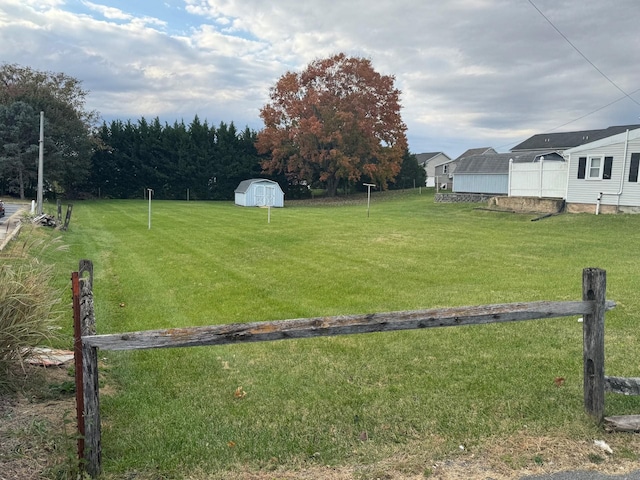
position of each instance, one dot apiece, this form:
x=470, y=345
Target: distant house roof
x=605, y=142
x=476, y=151
x=566, y=140
x=423, y=158
x=498, y=163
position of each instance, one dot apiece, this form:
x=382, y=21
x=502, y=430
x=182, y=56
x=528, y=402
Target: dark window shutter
x=633, y=168
x=582, y=166
x=608, y=163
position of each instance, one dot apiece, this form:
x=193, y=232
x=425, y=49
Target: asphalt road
x=584, y=475
x=9, y=209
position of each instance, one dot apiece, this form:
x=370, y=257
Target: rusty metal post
x=77, y=355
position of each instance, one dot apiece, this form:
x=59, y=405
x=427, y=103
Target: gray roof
x=498, y=163
x=244, y=185
x=423, y=158
x=565, y=140
x=476, y=151
x=487, y=163
x=535, y=156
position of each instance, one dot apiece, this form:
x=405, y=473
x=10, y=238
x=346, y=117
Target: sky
x=473, y=73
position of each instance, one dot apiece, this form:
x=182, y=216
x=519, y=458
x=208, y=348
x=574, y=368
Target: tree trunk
x=332, y=186
x=21, y=183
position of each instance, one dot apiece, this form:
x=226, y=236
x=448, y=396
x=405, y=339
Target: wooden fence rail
x=592, y=308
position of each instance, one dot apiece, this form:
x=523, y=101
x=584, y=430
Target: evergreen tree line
x=175, y=161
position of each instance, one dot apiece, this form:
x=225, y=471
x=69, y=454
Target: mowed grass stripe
x=309, y=401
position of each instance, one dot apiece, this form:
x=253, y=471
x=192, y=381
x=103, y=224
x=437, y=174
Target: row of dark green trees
x=179, y=161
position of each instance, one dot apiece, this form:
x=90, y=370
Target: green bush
x=29, y=304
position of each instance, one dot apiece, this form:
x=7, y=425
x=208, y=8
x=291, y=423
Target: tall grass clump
x=29, y=303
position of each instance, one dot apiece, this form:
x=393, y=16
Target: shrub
x=29, y=303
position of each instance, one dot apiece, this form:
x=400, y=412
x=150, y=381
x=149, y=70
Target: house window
x=594, y=167
x=445, y=169
x=633, y=168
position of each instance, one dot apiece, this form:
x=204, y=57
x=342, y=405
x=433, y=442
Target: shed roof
x=487, y=163
x=244, y=185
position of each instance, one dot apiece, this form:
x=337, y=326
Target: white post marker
x=150, y=193
x=39, y=195
x=369, y=185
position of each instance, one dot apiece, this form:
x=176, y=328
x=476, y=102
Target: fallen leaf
x=239, y=393
x=559, y=381
x=363, y=436
x=231, y=444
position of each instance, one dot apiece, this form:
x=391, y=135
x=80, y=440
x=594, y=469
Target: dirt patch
x=37, y=426
x=505, y=459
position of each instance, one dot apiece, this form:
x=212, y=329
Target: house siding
x=586, y=191
x=481, y=183
x=442, y=178
x=430, y=166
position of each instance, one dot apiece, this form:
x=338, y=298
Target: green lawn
x=309, y=402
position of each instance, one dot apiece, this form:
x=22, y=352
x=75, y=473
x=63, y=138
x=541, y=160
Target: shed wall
x=481, y=183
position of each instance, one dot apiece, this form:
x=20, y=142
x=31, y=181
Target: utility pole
x=40, y=165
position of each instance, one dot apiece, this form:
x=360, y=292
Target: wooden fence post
x=594, y=288
x=86, y=366
x=92, y=430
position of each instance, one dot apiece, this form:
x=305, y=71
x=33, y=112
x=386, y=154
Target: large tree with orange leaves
x=338, y=120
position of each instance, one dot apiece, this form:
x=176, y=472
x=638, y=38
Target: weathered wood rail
x=592, y=308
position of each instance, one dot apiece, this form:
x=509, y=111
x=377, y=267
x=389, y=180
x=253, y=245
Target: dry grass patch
x=37, y=427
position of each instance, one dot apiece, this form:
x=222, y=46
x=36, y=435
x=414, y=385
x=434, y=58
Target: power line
x=576, y=119
x=596, y=110
x=583, y=55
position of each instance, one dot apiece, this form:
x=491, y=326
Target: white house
x=429, y=161
x=603, y=175
x=259, y=192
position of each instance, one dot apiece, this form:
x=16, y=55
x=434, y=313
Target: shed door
x=260, y=195
x=270, y=196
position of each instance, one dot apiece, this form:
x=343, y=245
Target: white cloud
x=472, y=72
x=108, y=12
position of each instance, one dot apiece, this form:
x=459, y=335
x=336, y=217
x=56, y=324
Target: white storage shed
x=259, y=192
